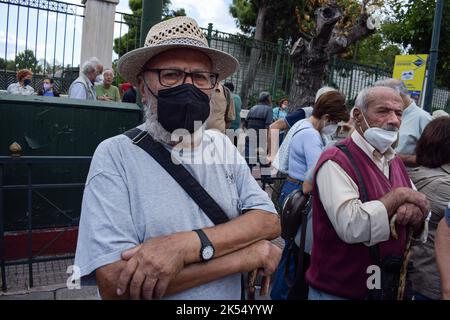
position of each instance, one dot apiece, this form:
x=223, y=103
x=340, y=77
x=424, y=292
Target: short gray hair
x=90, y=65
x=395, y=84
x=362, y=100
x=109, y=70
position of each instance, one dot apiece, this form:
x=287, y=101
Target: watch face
x=207, y=252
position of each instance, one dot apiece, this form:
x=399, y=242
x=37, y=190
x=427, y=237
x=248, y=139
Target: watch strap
x=203, y=237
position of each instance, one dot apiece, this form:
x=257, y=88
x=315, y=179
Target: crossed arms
x=166, y=265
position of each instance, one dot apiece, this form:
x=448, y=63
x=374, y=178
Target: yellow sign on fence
x=411, y=70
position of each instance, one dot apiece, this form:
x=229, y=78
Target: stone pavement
x=49, y=283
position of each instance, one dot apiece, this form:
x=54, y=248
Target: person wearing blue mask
x=23, y=86
x=48, y=88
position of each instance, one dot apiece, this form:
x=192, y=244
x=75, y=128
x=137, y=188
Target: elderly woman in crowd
x=23, y=85
x=433, y=179
x=107, y=91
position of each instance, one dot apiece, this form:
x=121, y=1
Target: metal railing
x=32, y=188
x=45, y=37
x=53, y=49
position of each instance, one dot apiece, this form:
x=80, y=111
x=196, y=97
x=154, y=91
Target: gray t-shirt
x=129, y=198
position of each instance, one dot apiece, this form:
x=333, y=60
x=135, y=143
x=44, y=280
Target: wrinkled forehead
x=384, y=96
x=180, y=58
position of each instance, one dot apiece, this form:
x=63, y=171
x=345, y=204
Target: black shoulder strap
x=374, y=250
x=180, y=174
x=362, y=186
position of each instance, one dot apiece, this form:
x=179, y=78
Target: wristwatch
x=206, y=249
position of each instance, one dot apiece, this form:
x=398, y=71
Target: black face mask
x=180, y=106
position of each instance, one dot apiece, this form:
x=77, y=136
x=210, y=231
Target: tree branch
x=339, y=43
x=326, y=19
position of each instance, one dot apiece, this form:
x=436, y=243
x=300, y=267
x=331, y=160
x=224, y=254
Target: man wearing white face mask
x=414, y=121
x=347, y=219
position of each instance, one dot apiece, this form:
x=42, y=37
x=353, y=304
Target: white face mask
x=329, y=129
x=380, y=139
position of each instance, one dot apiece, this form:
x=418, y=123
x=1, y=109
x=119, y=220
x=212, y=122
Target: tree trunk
x=255, y=55
x=311, y=57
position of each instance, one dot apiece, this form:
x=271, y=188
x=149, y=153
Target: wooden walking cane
x=406, y=257
x=265, y=283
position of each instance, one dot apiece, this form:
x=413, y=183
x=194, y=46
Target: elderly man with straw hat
x=146, y=234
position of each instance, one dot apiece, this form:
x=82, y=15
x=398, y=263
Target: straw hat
x=178, y=32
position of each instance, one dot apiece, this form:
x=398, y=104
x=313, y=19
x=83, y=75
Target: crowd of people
x=94, y=83
x=378, y=175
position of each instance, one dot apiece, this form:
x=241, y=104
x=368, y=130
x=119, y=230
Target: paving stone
x=47, y=295
x=85, y=293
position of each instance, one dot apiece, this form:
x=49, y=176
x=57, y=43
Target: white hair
x=108, y=70
x=90, y=65
x=439, y=113
x=323, y=90
x=395, y=84
x=361, y=101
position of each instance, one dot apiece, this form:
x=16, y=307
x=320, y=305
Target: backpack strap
x=180, y=174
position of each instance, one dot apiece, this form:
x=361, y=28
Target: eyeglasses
x=175, y=77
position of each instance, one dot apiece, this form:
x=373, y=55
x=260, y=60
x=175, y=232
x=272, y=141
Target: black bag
x=294, y=215
x=295, y=208
x=390, y=266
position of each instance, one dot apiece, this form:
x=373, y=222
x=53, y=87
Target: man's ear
x=141, y=88
x=357, y=115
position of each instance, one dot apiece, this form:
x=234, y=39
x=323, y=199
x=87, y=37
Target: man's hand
x=409, y=213
x=104, y=98
x=262, y=255
x=307, y=187
x=152, y=265
x=396, y=198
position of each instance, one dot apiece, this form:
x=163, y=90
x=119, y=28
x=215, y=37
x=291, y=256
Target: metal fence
x=33, y=189
x=45, y=36
x=274, y=67
x=350, y=77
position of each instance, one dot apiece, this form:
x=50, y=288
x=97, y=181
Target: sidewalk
x=49, y=283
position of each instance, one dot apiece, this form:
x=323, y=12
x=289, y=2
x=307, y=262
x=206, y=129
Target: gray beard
x=158, y=133
x=155, y=129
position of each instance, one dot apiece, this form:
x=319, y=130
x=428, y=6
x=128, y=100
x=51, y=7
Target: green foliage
x=26, y=60
x=374, y=50
x=130, y=40
x=290, y=19
x=280, y=19
x=411, y=26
